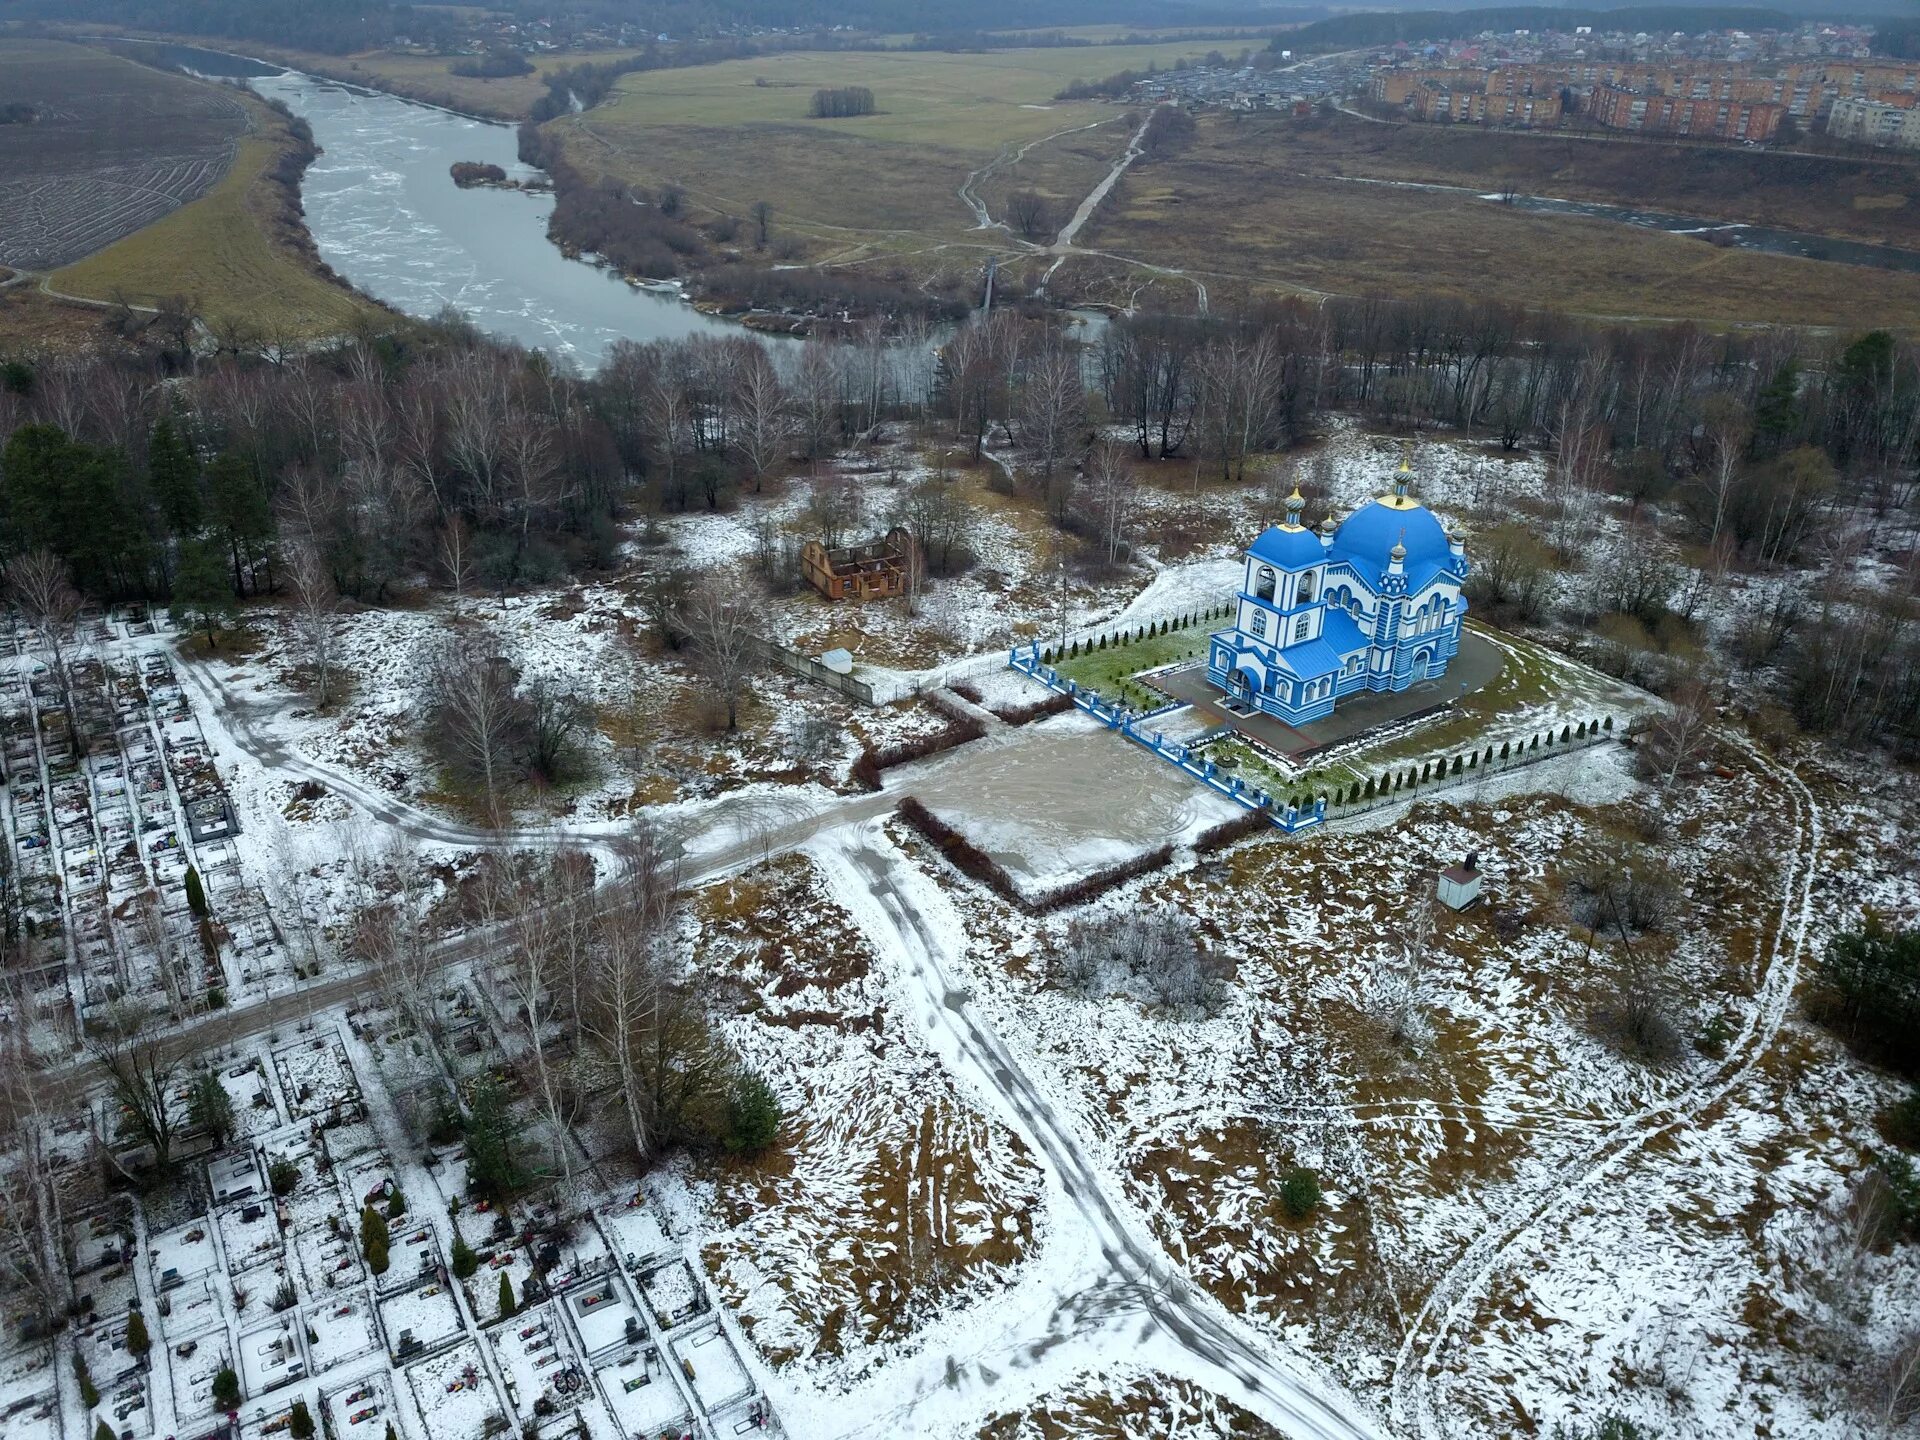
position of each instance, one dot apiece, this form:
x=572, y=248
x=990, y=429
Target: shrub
x=1154, y=957
x=1300, y=1193
x=465, y=1262
x=753, y=1114
x=138, y=1341
x=282, y=1175
x=216, y=998
x=374, y=1239
x=226, y=1389
x=1900, y=1122
x=396, y=1204
x=89, y=1392
x=300, y=1421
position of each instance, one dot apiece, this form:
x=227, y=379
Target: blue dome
x=1367, y=536
x=1288, y=549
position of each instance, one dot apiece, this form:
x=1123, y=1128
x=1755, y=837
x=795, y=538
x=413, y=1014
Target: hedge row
x=866, y=770
x=1415, y=776
x=1100, y=881
x=1055, y=654
x=973, y=862
x=1247, y=822
x=1054, y=704
x=966, y=857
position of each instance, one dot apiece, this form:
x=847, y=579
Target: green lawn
x=1536, y=690
x=1107, y=672
x=971, y=102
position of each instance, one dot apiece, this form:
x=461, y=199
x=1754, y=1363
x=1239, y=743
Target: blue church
x=1372, y=604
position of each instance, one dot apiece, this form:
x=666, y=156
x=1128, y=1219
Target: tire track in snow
x=1127, y=1276
x=1449, y=1303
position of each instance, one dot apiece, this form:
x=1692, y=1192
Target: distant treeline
x=336, y=27
x=651, y=235
x=1346, y=32
x=1898, y=38
x=494, y=65
x=841, y=101
x=1114, y=86
x=590, y=82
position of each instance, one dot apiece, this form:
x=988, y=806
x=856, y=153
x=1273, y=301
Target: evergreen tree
x=73, y=499
x=138, y=1341
x=103, y=1431
x=210, y=1107
x=201, y=588
x=196, y=894
x=753, y=1115
x=226, y=1389
x=300, y=1421
x=1776, y=412
x=241, y=512
x=506, y=1296
x=493, y=1169
x=1300, y=1193
x=173, y=473
x=375, y=1241
x=465, y=1262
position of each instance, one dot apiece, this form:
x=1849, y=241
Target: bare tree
x=456, y=553
x=1112, y=495
x=142, y=1076
x=528, y=899
x=477, y=714
x=816, y=396
x=36, y=1188
x=1728, y=428
x=314, y=604
x=764, y=421
x=1053, y=404
x=1029, y=214
x=835, y=506
x=726, y=645
x=1680, y=736
x=648, y=1032
x=390, y=933
x=39, y=584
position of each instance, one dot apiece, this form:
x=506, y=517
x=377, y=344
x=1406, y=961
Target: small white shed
x=1460, y=884
x=840, y=662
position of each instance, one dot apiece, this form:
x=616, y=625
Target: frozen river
x=385, y=213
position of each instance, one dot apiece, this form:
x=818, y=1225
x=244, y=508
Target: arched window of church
x=1305, y=595
x=1260, y=623
x=1263, y=583
x=1300, y=628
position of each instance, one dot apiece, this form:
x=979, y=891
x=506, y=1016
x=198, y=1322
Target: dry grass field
x=1237, y=210
x=1876, y=200
x=738, y=132
x=113, y=147
x=234, y=253
x=427, y=77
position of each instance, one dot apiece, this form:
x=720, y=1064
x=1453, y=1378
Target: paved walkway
x=1478, y=663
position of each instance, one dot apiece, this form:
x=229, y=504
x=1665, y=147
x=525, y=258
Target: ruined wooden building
x=871, y=571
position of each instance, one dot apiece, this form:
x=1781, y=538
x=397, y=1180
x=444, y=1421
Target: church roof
x=1288, y=548
x=1366, y=539
x=1340, y=631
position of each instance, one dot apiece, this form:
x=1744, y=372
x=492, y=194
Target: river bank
x=241, y=255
